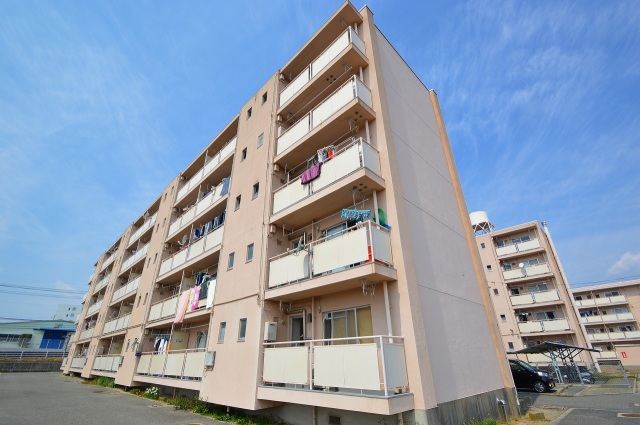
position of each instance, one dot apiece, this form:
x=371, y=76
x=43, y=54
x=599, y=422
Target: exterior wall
x=29, y=335
x=67, y=312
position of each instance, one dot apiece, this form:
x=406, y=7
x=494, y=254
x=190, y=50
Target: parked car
x=527, y=377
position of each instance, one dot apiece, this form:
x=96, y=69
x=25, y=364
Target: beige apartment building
x=530, y=293
x=610, y=313
x=314, y=261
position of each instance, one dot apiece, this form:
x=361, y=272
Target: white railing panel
x=188, y=216
x=175, y=226
x=357, y=41
x=165, y=266
x=330, y=54
x=203, y=204
x=344, y=250
x=593, y=319
x=618, y=299
x=295, y=86
x=632, y=334
x=371, y=158
x=179, y=258
x=174, y=364
x=512, y=274
x=586, y=303
x=598, y=337
x=289, y=268
x=194, y=365
x=196, y=248
x=347, y=366
x=127, y=289
x=529, y=245
x=522, y=299
x=381, y=245
x=183, y=190
x=214, y=238
x=537, y=269
x=289, y=195
x=556, y=325
x=228, y=148
x=395, y=366
x=504, y=250
x=86, y=334
x=98, y=364
x=546, y=296
x=363, y=93
x=286, y=365
x=332, y=104
x=155, y=311
x=144, y=363
x=78, y=362
x=293, y=134
x=157, y=364
x=537, y=358
x=530, y=326
x=616, y=335
x=169, y=307
x=341, y=165
x=109, y=326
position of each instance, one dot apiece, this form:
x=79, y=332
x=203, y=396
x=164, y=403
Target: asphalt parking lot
x=54, y=399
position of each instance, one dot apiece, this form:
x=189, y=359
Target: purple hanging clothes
x=311, y=173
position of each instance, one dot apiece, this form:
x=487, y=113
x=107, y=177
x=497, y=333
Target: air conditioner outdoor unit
x=276, y=168
x=270, y=331
x=272, y=229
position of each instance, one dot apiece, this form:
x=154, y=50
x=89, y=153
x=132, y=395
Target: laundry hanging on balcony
x=355, y=214
x=325, y=154
x=312, y=173
x=182, y=307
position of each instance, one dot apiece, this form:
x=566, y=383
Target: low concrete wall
x=6, y=367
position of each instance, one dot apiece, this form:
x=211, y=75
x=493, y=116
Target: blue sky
x=103, y=103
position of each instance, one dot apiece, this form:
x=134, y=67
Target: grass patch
x=488, y=421
x=216, y=412
x=103, y=381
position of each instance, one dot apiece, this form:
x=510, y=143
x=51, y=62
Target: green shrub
x=487, y=421
x=152, y=393
x=103, y=381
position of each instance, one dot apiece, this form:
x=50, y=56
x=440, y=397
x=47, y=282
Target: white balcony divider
x=518, y=247
x=135, y=257
x=202, y=245
x=117, y=324
x=103, y=282
x=350, y=90
x=208, y=167
x=163, y=309
x=526, y=271
x=365, y=363
x=145, y=226
x=363, y=243
x=126, y=290
x=94, y=308
x=108, y=363
x=178, y=364
x=108, y=261
x=348, y=158
x=86, y=334
x=212, y=197
x=78, y=362
x=544, y=326
x=318, y=64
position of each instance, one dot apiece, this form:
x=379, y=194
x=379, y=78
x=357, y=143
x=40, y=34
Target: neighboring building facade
x=36, y=335
x=314, y=262
x=68, y=312
x=610, y=313
x=530, y=294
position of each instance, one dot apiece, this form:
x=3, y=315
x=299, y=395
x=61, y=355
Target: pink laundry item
x=182, y=307
x=195, y=298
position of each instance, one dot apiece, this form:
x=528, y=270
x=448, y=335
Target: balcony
x=618, y=299
x=142, y=229
x=354, y=158
x=330, y=372
x=605, y=355
x=167, y=308
x=211, y=164
x=606, y=336
x=544, y=326
x=135, y=258
x=78, y=362
x=343, y=100
x=198, y=209
x=116, y=325
x=94, y=308
x=608, y=318
x=192, y=252
x=125, y=290
x=109, y=260
x=183, y=366
x=529, y=271
x=103, y=282
x=533, y=298
x=521, y=247
x=347, y=48
x=86, y=334
x=335, y=263
x=107, y=363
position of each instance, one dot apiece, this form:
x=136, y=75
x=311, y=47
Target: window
x=578, y=298
x=164, y=222
x=165, y=197
x=489, y=268
x=264, y=97
x=521, y=239
x=155, y=257
x=231, y=258
x=244, y=155
x=546, y=315
x=540, y=287
x=611, y=294
x=256, y=190
x=507, y=266
x=238, y=200
x=145, y=298
x=500, y=244
x=353, y=322
x=510, y=345
x=242, y=330
x=482, y=245
x=249, y=253
x=260, y=139
x=515, y=291
x=157, y=227
x=495, y=291
x=223, y=330
x=148, y=261
x=249, y=113
x=139, y=298
x=503, y=317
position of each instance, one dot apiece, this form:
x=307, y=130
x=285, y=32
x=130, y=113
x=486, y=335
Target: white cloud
x=628, y=263
x=58, y=284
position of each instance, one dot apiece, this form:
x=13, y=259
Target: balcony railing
x=108, y=261
x=107, y=363
x=352, y=89
x=375, y=363
x=526, y=271
x=518, y=247
x=544, y=326
x=140, y=253
x=117, y=324
x=602, y=301
x=607, y=318
x=178, y=364
x=78, y=362
x=535, y=297
x=94, y=308
x=605, y=355
x=605, y=336
x=145, y=226
x=86, y=334
x=168, y=307
x=363, y=243
x=324, y=59
x=209, y=166
x=355, y=155
x=126, y=290
x=103, y=282
x=197, y=248
x=211, y=198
